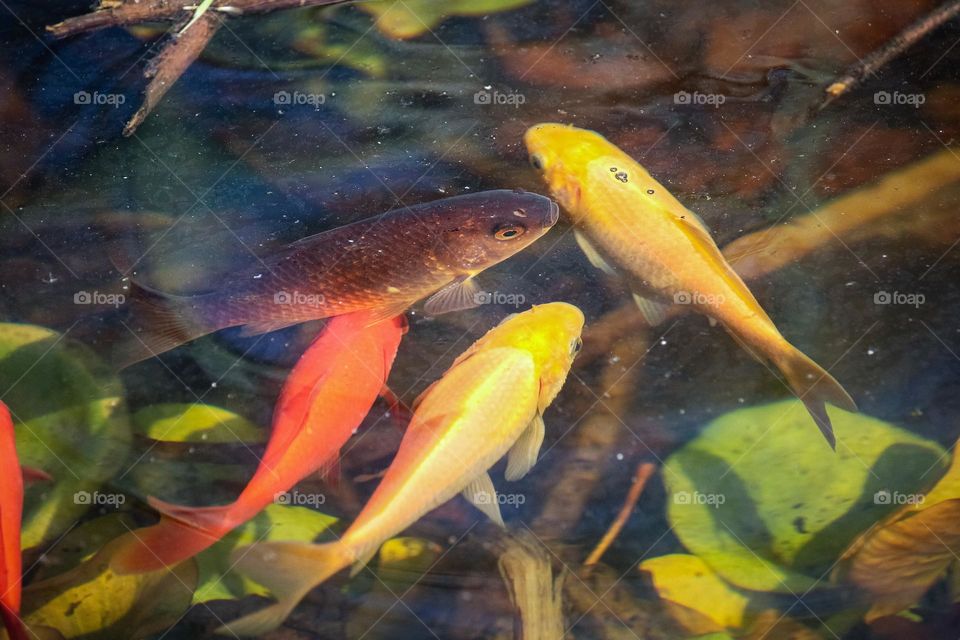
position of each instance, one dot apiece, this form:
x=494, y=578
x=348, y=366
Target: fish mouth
x=553, y=216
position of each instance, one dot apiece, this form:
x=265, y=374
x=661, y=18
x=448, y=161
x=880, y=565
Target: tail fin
x=159, y=323
x=181, y=533
x=815, y=387
x=290, y=570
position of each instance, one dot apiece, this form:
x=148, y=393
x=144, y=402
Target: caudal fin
x=158, y=323
x=181, y=533
x=815, y=387
x=290, y=570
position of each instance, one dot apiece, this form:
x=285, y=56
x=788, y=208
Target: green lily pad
x=763, y=501
x=276, y=522
x=195, y=423
x=70, y=422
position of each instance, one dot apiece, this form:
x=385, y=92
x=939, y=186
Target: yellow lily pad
x=195, y=423
x=402, y=19
x=687, y=581
x=93, y=603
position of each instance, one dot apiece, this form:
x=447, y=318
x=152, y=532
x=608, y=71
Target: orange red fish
x=11, y=510
x=323, y=401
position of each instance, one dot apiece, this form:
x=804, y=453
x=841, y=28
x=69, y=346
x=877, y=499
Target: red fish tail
x=12, y=623
x=181, y=533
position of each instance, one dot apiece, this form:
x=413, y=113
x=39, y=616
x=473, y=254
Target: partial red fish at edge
x=11, y=510
x=323, y=401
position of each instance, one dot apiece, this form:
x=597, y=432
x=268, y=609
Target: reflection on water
x=299, y=121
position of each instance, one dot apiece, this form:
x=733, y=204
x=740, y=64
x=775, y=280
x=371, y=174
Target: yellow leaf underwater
x=706, y=602
x=412, y=18
x=195, y=423
x=92, y=602
x=900, y=559
x=898, y=562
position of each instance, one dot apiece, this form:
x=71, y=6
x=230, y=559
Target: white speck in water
x=213, y=385
x=871, y=351
x=258, y=276
x=741, y=400
x=683, y=412
x=662, y=341
x=614, y=359
x=619, y=456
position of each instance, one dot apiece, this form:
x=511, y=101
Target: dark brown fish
x=382, y=264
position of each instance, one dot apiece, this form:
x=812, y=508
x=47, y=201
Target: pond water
x=303, y=120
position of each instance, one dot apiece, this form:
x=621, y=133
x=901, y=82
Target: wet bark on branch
x=187, y=38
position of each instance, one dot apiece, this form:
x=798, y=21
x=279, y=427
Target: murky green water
x=304, y=120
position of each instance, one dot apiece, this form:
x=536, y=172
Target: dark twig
x=858, y=72
x=188, y=39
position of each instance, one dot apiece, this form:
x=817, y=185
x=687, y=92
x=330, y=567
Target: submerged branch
x=857, y=73
x=644, y=471
x=527, y=570
x=193, y=28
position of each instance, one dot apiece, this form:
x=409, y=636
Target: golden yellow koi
x=626, y=222
x=487, y=405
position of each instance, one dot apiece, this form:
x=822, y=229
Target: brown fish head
x=473, y=232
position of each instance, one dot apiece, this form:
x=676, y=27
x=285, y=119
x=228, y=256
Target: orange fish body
x=487, y=405
x=11, y=509
x=323, y=401
x=629, y=224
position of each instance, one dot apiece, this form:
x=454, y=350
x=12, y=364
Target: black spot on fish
x=799, y=523
x=621, y=176
x=613, y=169
x=650, y=191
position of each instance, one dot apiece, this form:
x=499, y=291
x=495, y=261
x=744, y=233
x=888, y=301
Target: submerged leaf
x=92, y=602
x=195, y=423
x=766, y=505
x=277, y=522
x=71, y=424
x=705, y=603
x=896, y=563
x=413, y=18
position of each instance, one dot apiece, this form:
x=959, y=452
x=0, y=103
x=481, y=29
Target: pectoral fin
x=523, y=454
x=593, y=255
x=483, y=496
x=652, y=311
x=456, y=296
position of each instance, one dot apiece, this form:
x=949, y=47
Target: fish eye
x=536, y=161
x=575, y=346
x=508, y=231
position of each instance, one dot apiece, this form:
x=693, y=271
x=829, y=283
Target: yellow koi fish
x=487, y=405
x=628, y=223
